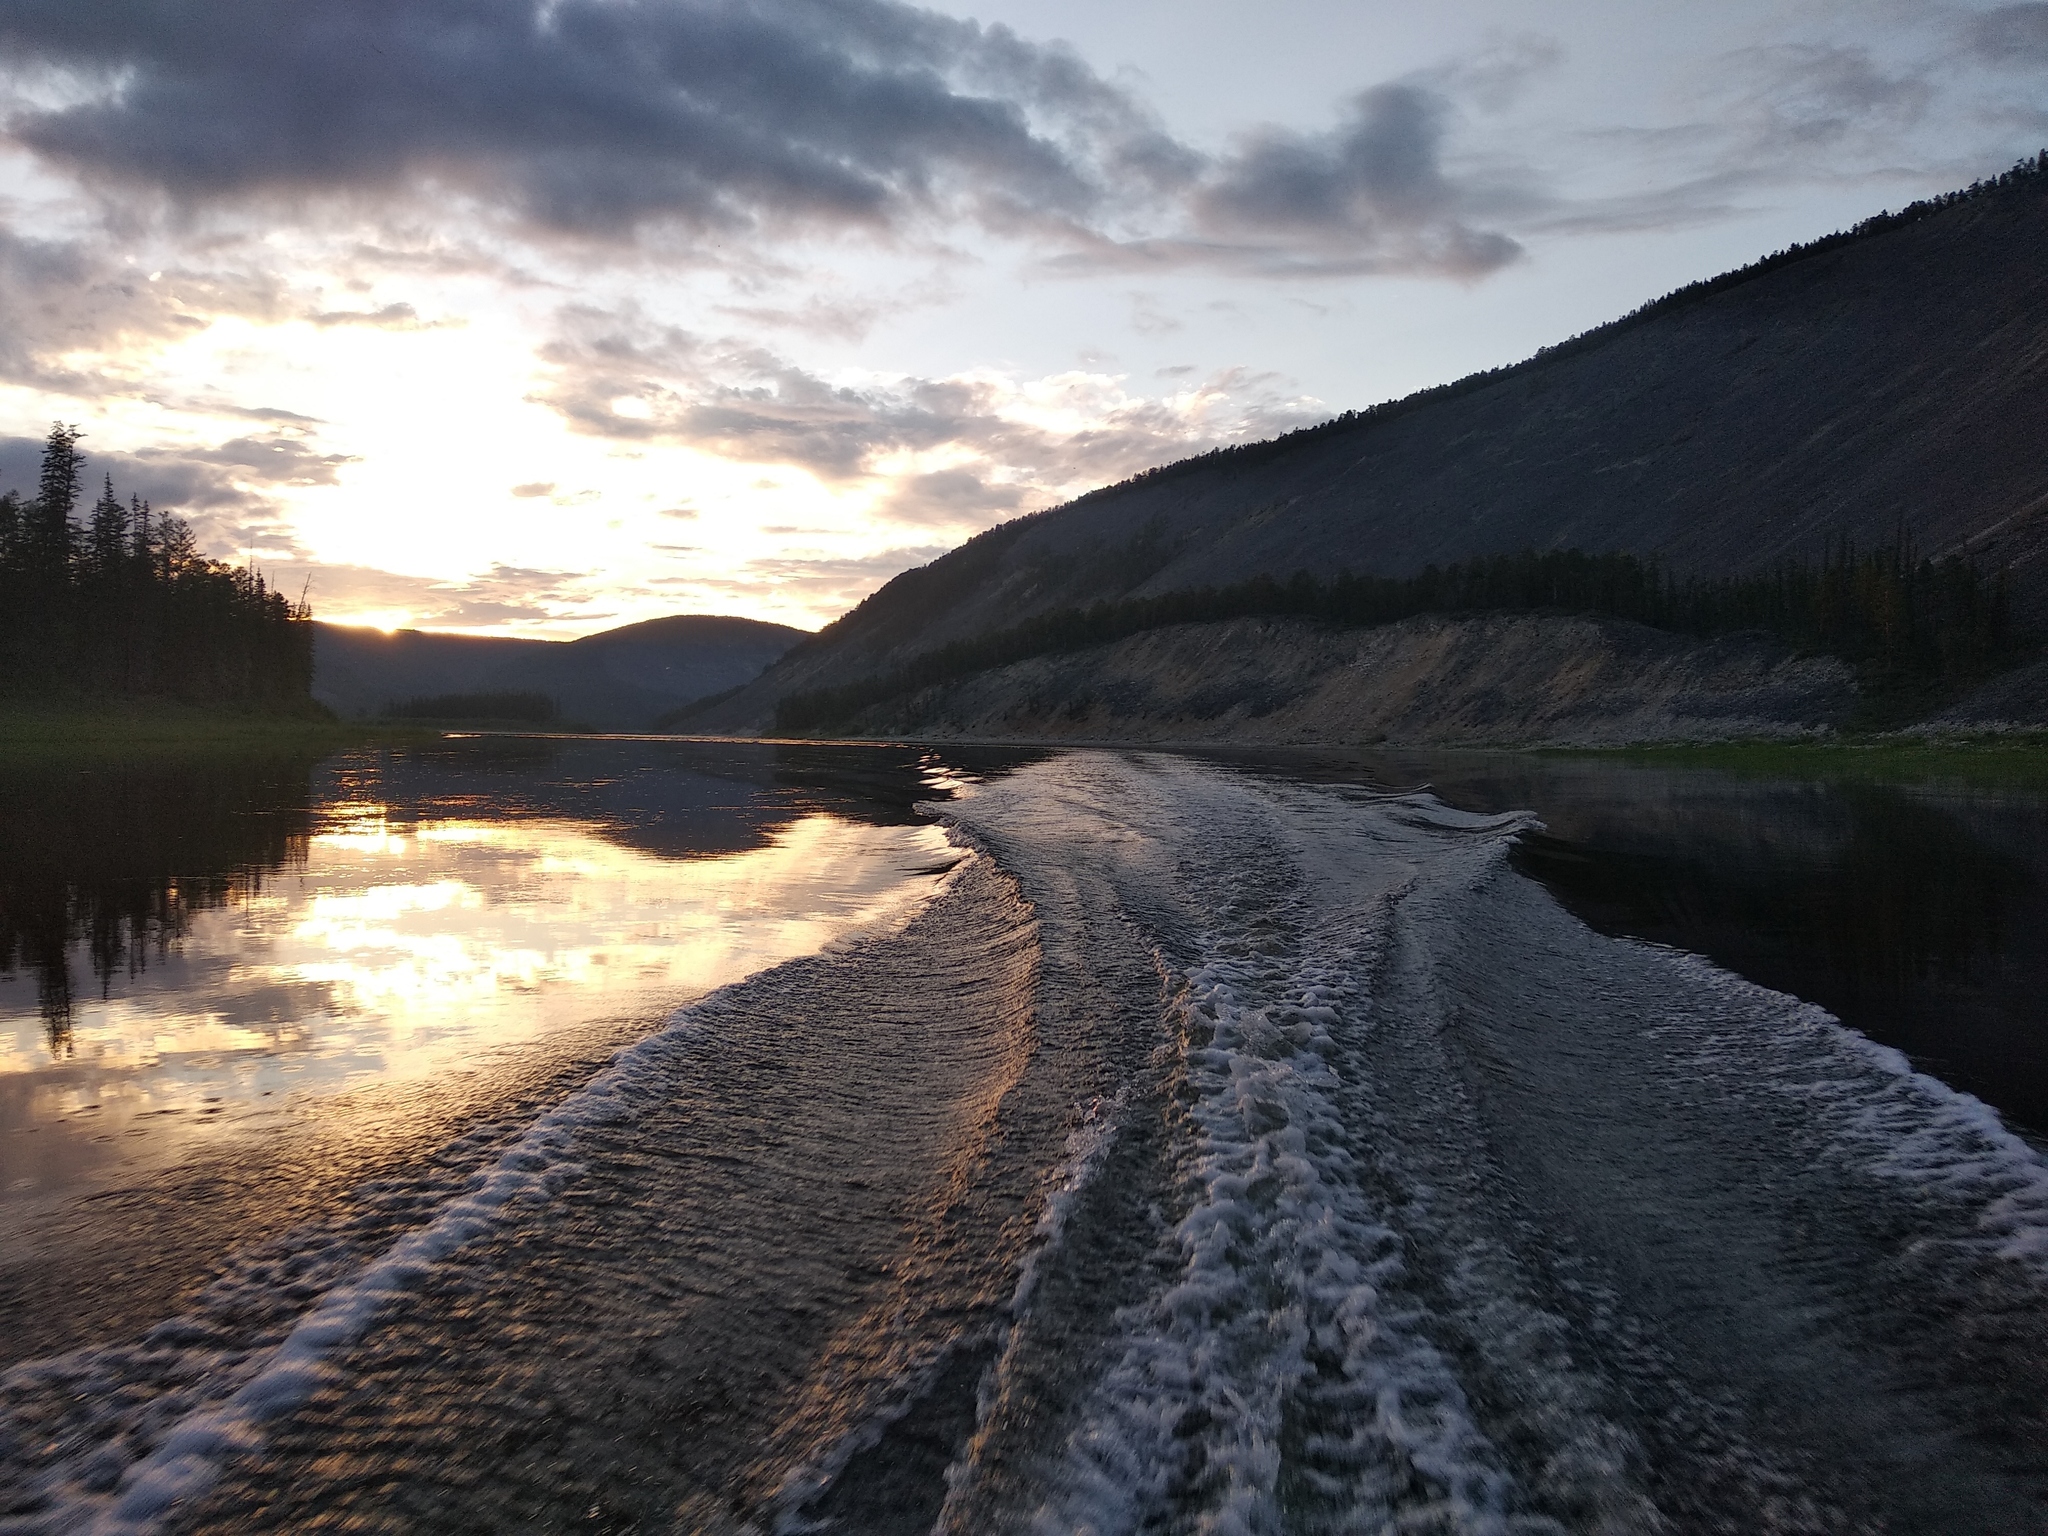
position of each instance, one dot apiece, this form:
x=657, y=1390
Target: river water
x=635, y=1136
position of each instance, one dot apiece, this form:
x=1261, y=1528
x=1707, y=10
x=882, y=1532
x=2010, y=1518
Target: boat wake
x=1208, y=1155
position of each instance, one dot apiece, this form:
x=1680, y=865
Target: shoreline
x=112, y=727
x=2012, y=758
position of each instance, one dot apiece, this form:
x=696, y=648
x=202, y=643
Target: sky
x=536, y=317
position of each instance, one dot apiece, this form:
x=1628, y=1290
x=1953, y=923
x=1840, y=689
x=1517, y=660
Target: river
x=636, y=1136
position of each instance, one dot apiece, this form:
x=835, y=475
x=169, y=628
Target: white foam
x=1279, y=1298
x=1884, y=1114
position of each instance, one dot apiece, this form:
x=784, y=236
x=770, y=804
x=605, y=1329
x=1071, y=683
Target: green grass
x=2016, y=761
x=157, y=728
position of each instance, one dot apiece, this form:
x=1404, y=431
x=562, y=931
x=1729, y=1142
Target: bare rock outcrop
x=1493, y=680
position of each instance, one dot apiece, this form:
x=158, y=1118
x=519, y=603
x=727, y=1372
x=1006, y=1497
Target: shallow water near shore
x=661, y=1136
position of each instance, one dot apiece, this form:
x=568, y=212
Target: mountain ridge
x=1890, y=379
x=617, y=679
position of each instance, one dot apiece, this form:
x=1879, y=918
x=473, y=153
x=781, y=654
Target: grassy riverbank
x=2017, y=761
x=161, y=728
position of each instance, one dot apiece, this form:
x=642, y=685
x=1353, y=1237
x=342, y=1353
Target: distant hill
x=622, y=679
x=1891, y=378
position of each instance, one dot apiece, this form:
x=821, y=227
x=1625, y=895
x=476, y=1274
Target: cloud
x=392, y=317
x=2010, y=35
x=734, y=121
x=67, y=305
x=1370, y=196
x=941, y=451
x=949, y=498
x=1495, y=77
x=224, y=491
x=590, y=116
x=1809, y=95
x=616, y=374
x=499, y=597
x=277, y=460
x=825, y=585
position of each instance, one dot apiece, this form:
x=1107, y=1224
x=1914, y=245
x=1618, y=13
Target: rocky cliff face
x=1520, y=680
x=1894, y=381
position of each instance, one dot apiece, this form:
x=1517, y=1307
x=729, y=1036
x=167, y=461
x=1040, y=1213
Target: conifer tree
x=128, y=605
x=107, y=535
x=51, y=535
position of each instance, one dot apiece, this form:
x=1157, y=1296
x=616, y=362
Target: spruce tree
x=51, y=536
x=107, y=537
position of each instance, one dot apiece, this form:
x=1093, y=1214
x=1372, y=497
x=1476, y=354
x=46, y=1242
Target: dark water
x=522, y=1134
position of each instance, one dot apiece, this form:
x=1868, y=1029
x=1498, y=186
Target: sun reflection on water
x=400, y=949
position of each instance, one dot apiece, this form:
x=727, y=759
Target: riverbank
x=158, y=727
x=2016, y=760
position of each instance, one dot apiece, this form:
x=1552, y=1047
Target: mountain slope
x=621, y=679
x=1893, y=378
x=1526, y=679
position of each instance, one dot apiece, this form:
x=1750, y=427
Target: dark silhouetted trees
x=123, y=604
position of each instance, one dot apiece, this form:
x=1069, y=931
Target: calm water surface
x=203, y=950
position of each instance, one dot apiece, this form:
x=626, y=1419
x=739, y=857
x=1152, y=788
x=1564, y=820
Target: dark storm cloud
x=728, y=117
x=588, y=115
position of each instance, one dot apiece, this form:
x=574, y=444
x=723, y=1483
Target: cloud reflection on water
x=401, y=949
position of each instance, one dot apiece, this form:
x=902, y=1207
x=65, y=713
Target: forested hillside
x=620, y=679
x=1888, y=382
x=119, y=603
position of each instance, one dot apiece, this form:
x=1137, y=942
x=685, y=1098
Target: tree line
x=119, y=602
x=1911, y=626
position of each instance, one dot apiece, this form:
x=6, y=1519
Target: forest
x=1914, y=628
x=115, y=601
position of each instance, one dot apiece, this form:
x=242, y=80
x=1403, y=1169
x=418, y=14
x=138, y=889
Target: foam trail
x=185, y=1463
x=1469, y=1219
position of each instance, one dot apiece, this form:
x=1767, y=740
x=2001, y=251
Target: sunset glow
x=475, y=381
